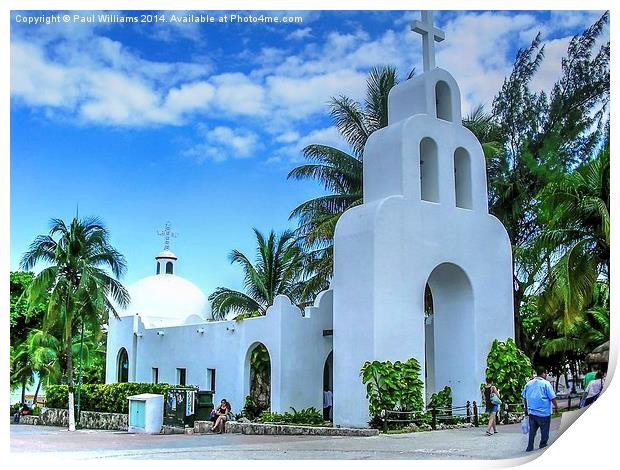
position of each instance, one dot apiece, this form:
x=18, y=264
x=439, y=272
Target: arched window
x=443, y=101
x=158, y=267
x=258, y=375
x=169, y=267
x=429, y=171
x=122, y=366
x=462, y=179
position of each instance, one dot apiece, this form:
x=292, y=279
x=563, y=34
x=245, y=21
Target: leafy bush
x=251, y=408
x=243, y=316
x=509, y=368
x=106, y=398
x=392, y=386
x=307, y=416
x=442, y=399
x=15, y=408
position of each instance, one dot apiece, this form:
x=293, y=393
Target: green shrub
x=308, y=416
x=251, y=408
x=391, y=386
x=509, y=368
x=442, y=399
x=106, y=398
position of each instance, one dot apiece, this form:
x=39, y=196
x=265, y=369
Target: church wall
x=296, y=347
x=120, y=335
x=304, y=352
x=353, y=326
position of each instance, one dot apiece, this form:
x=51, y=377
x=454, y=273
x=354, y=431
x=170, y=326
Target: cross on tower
x=430, y=34
x=167, y=233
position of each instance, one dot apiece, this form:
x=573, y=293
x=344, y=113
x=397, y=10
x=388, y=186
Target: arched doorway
x=122, y=366
x=429, y=347
x=449, y=333
x=328, y=386
x=258, y=375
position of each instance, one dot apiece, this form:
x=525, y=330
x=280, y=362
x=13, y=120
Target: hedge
x=106, y=398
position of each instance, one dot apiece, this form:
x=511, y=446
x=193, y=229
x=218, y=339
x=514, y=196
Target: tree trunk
x=518, y=297
x=70, y=384
x=36, y=393
x=573, y=372
x=23, y=391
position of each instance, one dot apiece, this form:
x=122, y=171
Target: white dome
x=167, y=299
x=166, y=254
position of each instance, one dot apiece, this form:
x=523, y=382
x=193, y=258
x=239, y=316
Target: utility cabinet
x=146, y=413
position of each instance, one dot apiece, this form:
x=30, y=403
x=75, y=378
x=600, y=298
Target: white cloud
x=237, y=94
x=550, y=69
x=562, y=20
x=303, y=96
x=190, y=97
x=38, y=82
x=300, y=34
x=323, y=136
x=222, y=143
x=288, y=137
x=116, y=99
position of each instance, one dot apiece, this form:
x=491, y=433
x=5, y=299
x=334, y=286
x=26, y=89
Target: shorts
x=492, y=409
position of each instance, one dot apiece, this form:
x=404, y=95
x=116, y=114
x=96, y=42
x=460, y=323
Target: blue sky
x=200, y=124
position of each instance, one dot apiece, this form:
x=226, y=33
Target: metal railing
x=468, y=412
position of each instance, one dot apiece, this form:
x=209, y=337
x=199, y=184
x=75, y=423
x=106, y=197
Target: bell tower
x=424, y=221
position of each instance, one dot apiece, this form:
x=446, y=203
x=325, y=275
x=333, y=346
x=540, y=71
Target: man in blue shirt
x=538, y=395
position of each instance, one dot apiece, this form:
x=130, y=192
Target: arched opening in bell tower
x=429, y=170
x=449, y=333
x=443, y=101
x=462, y=178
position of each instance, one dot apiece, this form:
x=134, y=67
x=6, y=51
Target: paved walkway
x=468, y=443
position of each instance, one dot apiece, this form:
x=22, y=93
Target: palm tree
x=45, y=351
x=277, y=270
x=574, y=211
x=78, y=257
x=586, y=333
x=340, y=174
x=486, y=130
x=22, y=369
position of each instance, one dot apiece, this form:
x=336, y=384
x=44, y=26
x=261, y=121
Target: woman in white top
x=594, y=389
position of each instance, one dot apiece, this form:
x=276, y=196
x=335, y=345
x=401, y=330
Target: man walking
x=538, y=395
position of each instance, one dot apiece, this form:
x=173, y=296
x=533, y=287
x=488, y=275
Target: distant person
x=491, y=408
x=594, y=389
x=23, y=410
x=538, y=396
x=328, y=402
x=222, y=414
x=589, y=377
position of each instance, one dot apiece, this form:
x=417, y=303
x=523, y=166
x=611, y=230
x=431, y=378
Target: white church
x=424, y=221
